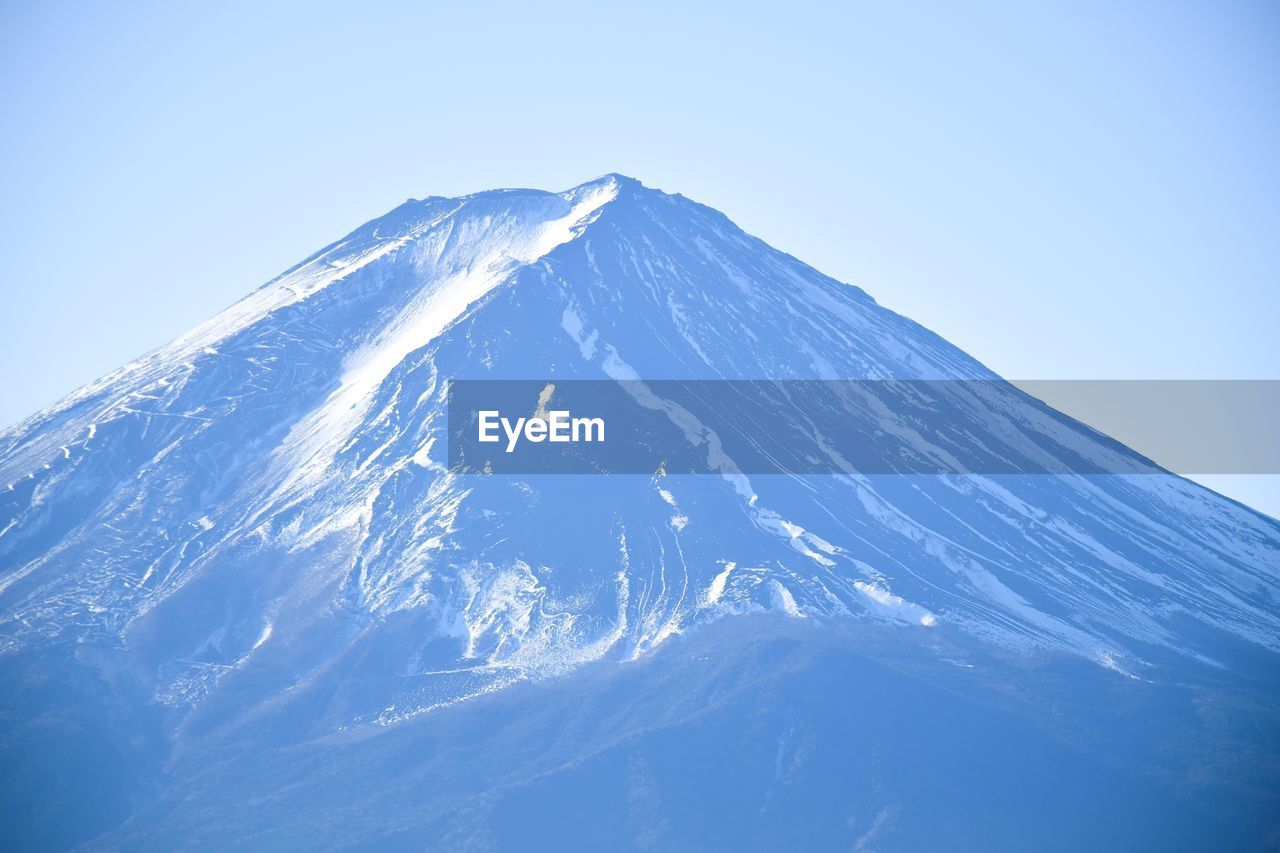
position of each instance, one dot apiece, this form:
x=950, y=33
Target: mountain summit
x=244, y=592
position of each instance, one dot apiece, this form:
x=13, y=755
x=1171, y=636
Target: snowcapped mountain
x=241, y=567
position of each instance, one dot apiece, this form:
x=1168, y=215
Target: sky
x=1064, y=190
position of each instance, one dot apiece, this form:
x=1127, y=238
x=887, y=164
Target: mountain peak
x=612, y=178
x=254, y=529
x=327, y=383
x=603, y=189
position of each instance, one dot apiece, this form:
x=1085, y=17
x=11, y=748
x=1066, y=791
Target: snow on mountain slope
x=245, y=551
x=267, y=491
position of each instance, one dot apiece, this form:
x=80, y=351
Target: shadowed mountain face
x=244, y=601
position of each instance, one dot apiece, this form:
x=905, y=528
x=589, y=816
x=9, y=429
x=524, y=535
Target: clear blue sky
x=1064, y=189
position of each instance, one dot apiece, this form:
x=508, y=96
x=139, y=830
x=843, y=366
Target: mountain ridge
x=250, y=536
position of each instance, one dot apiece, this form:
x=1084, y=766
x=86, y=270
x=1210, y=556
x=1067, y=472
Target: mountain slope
x=249, y=537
